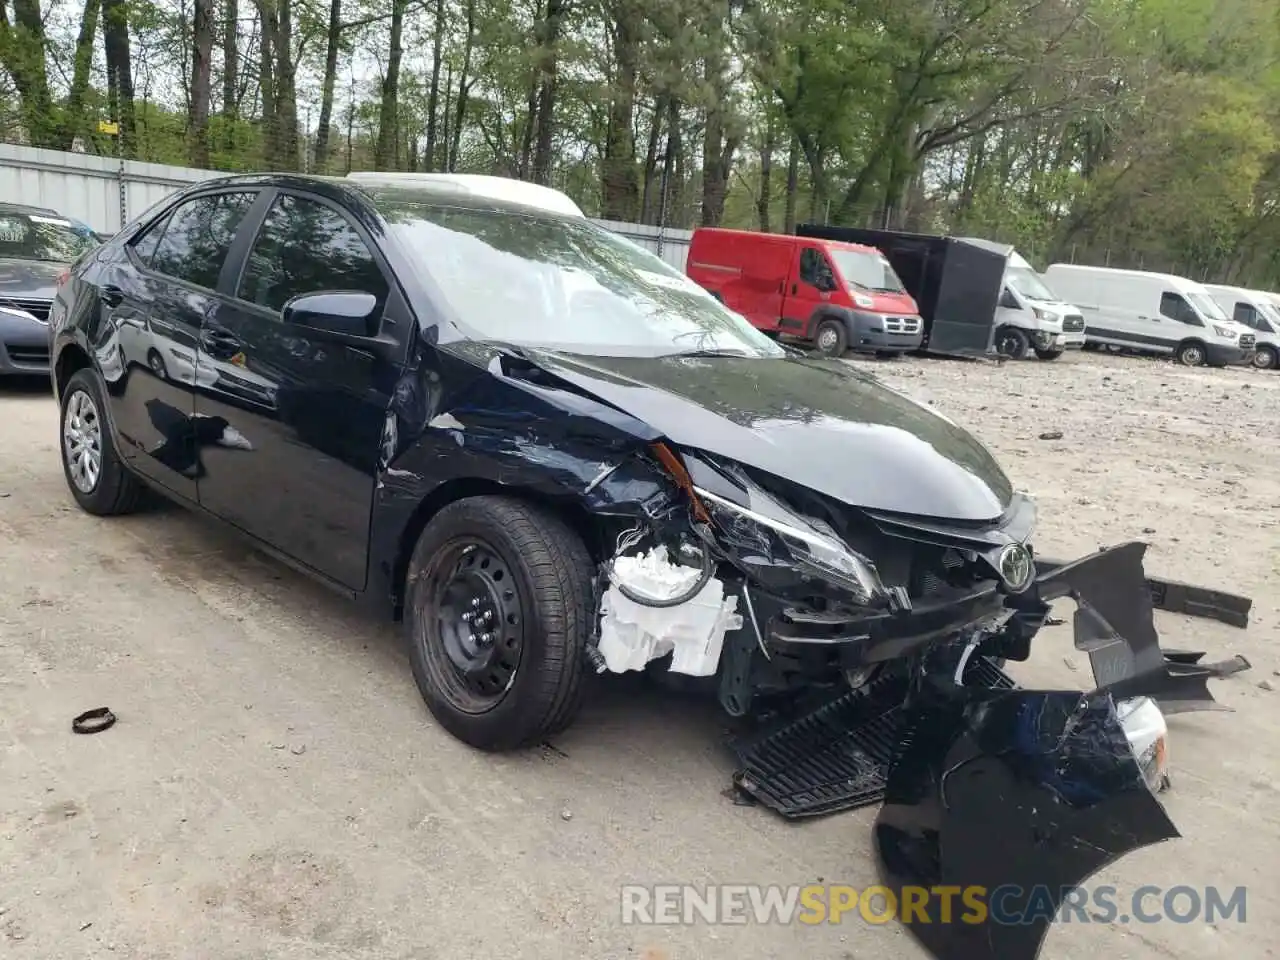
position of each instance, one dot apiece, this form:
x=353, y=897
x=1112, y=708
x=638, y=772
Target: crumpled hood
x=29, y=279
x=817, y=423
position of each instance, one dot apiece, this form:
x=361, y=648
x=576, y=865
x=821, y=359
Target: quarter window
x=305, y=246
x=194, y=243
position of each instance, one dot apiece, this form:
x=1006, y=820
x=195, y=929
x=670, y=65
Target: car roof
x=1177, y=281
x=791, y=239
x=464, y=190
x=28, y=209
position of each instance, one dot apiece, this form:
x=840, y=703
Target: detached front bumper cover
x=1023, y=793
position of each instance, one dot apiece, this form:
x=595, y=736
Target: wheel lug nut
x=487, y=638
x=468, y=617
x=475, y=602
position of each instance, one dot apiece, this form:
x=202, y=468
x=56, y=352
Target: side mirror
x=345, y=312
x=1008, y=300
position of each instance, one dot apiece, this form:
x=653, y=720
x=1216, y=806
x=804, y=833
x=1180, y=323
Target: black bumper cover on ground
x=990, y=786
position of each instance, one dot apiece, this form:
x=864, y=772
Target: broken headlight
x=785, y=538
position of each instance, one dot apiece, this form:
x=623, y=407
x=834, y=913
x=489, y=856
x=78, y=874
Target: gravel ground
x=275, y=788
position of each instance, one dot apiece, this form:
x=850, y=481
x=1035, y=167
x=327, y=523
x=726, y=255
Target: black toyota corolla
x=552, y=455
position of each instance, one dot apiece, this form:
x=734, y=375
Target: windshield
x=870, y=271
x=1270, y=310
x=564, y=284
x=1029, y=285
x=30, y=236
x=1207, y=305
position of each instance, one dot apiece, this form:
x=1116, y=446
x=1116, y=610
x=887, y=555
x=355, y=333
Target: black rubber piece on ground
x=836, y=757
x=554, y=575
x=118, y=491
x=94, y=721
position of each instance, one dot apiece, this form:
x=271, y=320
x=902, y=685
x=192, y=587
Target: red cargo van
x=840, y=296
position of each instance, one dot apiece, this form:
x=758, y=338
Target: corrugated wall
x=89, y=189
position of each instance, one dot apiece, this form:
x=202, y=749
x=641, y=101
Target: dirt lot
x=275, y=788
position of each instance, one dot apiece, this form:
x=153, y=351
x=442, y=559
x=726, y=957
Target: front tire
x=1266, y=358
x=498, y=612
x=1191, y=354
x=1048, y=354
x=1012, y=343
x=95, y=473
x=831, y=339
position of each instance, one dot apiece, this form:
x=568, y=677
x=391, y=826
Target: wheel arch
x=71, y=357
x=566, y=508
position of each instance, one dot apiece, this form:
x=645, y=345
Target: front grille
x=37, y=308
x=1247, y=340
x=1072, y=323
x=27, y=355
x=902, y=324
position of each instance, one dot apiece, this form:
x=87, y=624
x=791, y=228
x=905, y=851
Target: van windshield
x=559, y=283
x=1206, y=305
x=869, y=271
x=1027, y=282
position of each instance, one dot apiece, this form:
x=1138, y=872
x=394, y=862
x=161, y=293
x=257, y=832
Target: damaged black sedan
x=551, y=455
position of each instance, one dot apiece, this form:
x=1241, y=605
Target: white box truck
x=1153, y=313
x=1258, y=310
x=1029, y=314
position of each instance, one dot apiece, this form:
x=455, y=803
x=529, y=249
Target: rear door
x=154, y=301
x=299, y=417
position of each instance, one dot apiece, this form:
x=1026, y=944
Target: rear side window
x=1175, y=307
x=195, y=241
x=305, y=246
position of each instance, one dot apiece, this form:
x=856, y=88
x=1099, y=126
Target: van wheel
x=1012, y=342
x=831, y=339
x=1090, y=346
x=1266, y=359
x=498, y=610
x=1190, y=354
x=1048, y=354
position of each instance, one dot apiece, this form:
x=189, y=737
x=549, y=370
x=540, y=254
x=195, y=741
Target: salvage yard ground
x=276, y=789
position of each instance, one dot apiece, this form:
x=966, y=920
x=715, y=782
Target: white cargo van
x=1257, y=310
x=1153, y=313
x=1029, y=313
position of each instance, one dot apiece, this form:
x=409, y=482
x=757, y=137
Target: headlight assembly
x=796, y=544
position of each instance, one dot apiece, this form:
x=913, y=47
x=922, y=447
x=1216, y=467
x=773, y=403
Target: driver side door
x=295, y=417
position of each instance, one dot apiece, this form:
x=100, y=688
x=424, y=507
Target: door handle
x=111, y=295
x=795, y=288
x=219, y=340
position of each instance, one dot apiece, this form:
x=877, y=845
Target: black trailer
x=955, y=284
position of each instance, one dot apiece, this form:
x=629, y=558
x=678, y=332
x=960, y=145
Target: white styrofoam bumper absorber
x=632, y=634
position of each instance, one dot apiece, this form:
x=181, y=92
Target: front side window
x=814, y=269
x=539, y=280
x=1244, y=313
x=194, y=243
x=305, y=246
x=36, y=236
x=1175, y=307
x=869, y=271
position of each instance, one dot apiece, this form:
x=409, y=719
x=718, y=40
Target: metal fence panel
x=107, y=193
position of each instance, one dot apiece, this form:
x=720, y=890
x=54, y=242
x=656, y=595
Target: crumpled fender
x=1019, y=796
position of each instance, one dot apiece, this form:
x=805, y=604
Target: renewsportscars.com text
x=676, y=904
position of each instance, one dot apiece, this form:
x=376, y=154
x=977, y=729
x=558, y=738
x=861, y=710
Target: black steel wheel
x=1012, y=342
x=498, y=611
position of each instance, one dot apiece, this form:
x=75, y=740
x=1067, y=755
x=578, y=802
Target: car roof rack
x=479, y=186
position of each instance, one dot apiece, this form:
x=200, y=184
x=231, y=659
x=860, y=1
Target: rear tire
x=533, y=578
x=95, y=473
x=1012, y=343
x=1191, y=354
x=1048, y=354
x=1266, y=358
x=831, y=339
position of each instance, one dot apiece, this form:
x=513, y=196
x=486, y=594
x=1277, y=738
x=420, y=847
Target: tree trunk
x=548, y=63
x=230, y=70
x=74, y=121
x=651, y=160
x=464, y=88
x=333, y=39
x=793, y=186
x=433, y=98
x=621, y=191
x=119, y=58
x=23, y=45
x=766, y=174
x=201, y=70
x=717, y=150
x=384, y=153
